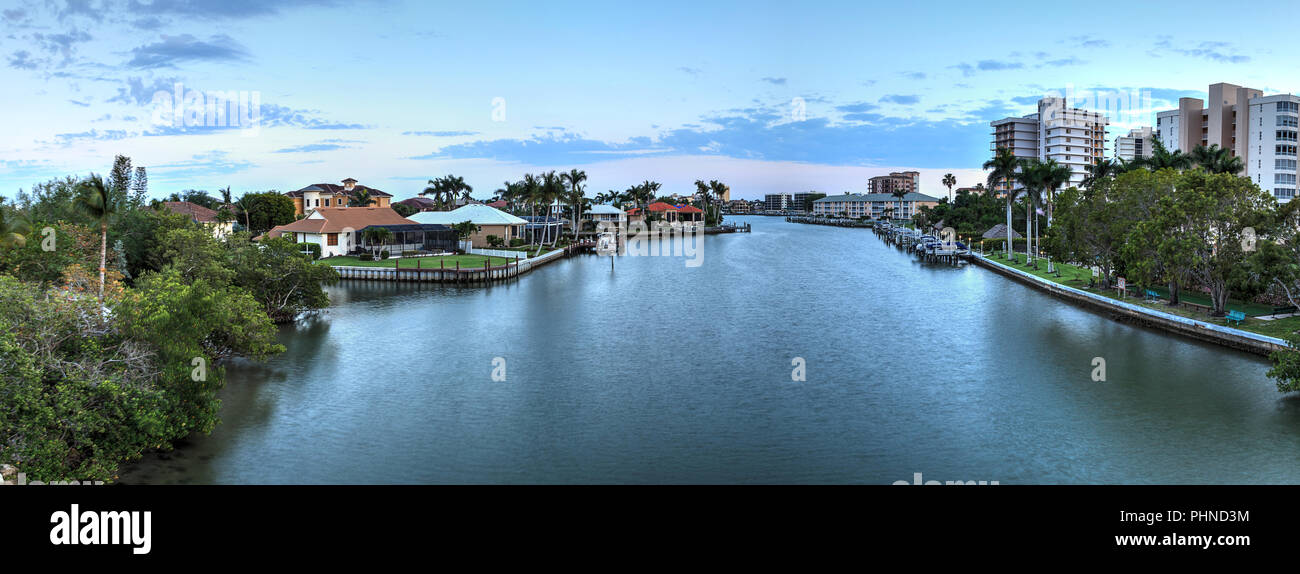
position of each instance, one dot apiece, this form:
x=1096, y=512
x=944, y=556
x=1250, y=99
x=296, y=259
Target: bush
x=410, y=253
x=315, y=250
x=367, y=257
x=383, y=255
x=516, y=242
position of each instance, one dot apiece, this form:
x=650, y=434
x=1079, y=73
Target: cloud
x=901, y=99
x=136, y=90
x=857, y=108
x=987, y=66
x=64, y=44
x=93, y=135
x=186, y=48
x=1213, y=51
x=1089, y=41
x=147, y=23
x=1071, y=61
x=871, y=140
x=442, y=134
x=223, y=9
x=312, y=148
x=82, y=104
x=689, y=70
x=22, y=60
x=774, y=81
x=914, y=75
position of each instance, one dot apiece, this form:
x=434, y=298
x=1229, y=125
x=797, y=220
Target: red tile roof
x=689, y=209
x=660, y=206
x=194, y=211
x=337, y=219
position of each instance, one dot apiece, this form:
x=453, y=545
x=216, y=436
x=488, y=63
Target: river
x=656, y=371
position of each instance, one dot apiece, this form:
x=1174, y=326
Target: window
x=1282, y=149
x=1284, y=121
x=1284, y=192
x=332, y=239
x=1286, y=135
x=1284, y=178
x=1284, y=164
x=1288, y=107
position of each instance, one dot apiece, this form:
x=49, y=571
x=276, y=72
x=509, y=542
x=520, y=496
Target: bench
x=1152, y=296
x=1195, y=306
x=1237, y=316
x=1281, y=310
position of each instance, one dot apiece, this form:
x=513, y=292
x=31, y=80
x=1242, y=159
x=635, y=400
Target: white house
x=491, y=221
x=337, y=229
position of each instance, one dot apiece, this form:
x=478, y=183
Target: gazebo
x=999, y=231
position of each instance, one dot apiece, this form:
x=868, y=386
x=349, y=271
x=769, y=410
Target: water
x=657, y=372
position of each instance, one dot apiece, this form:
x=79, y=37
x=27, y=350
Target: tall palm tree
x=94, y=199
x=574, y=196
x=1100, y=170
x=1002, y=170
x=1031, y=177
x=900, y=194
x=949, y=180
x=225, y=195
x=436, y=189
x=1054, y=176
x=720, y=190
x=14, y=229
x=456, y=188
x=552, y=192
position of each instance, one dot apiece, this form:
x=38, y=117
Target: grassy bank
x=1077, y=277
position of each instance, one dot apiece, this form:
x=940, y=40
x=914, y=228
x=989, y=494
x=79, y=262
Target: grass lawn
x=1077, y=277
x=466, y=261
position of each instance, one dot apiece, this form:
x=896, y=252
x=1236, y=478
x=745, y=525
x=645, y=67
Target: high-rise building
x=1223, y=120
x=909, y=181
x=777, y=201
x=1271, y=163
x=1074, y=137
x=1259, y=129
x=1137, y=144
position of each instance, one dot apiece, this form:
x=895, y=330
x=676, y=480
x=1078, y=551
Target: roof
x=599, y=208
x=337, y=190
x=337, y=219
x=689, y=209
x=872, y=197
x=400, y=227
x=194, y=211
x=660, y=206
x=419, y=202
x=476, y=212
x=498, y=204
x=999, y=230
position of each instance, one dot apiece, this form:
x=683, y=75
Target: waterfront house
x=338, y=230
x=320, y=195
x=202, y=216
x=613, y=218
x=872, y=205
x=542, y=228
x=491, y=221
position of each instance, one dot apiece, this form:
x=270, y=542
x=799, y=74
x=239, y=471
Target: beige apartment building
x=1074, y=137
x=909, y=181
x=1222, y=119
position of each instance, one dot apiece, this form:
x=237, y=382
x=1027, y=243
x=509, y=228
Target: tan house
x=320, y=195
x=203, y=216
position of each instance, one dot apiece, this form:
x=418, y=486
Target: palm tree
x=552, y=191
x=1215, y=159
x=94, y=199
x=575, y=195
x=1033, y=177
x=435, y=188
x=360, y=198
x=1002, y=170
x=949, y=181
x=900, y=194
x=14, y=229
x=720, y=190
x=1054, y=176
x=1162, y=158
x=456, y=188
x=1100, y=170
x=225, y=195
x=376, y=237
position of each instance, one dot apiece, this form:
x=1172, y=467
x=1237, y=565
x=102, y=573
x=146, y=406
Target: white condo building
x=1259, y=129
x=1074, y=137
x=1137, y=144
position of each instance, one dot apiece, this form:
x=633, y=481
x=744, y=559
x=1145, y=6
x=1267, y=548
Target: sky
x=769, y=97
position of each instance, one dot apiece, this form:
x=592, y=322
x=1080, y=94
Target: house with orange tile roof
x=338, y=230
x=660, y=211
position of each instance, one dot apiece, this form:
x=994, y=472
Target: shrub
x=367, y=257
x=516, y=242
x=410, y=253
x=383, y=255
x=315, y=250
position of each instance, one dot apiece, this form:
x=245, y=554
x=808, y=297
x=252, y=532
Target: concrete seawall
x=449, y=275
x=1129, y=313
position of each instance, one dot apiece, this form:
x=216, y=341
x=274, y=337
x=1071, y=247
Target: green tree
x=1002, y=170
x=264, y=211
x=285, y=282
x=575, y=195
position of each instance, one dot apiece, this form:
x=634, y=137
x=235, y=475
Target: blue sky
x=393, y=93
